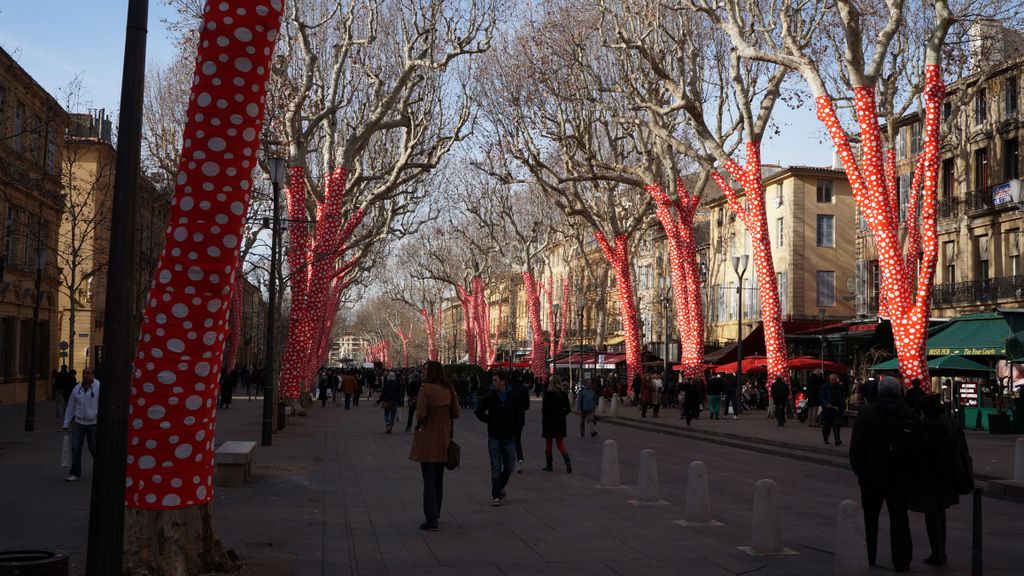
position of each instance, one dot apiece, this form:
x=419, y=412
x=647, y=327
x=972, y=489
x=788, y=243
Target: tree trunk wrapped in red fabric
x=466, y=302
x=430, y=327
x=618, y=258
x=756, y=223
x=907, y=305
x=538, y=363
x=676, y=217
x=181, y=344
x=237, y=309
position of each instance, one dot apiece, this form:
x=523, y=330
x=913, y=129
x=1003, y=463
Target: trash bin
x=34, y=563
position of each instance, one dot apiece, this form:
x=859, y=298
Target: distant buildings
x=31, y=141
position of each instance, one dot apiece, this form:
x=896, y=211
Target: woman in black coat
x=943, y=473
x=554, y=408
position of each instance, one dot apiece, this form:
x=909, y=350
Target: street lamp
x=554, y=338
x=30, y=404
x=666, y=303
x=821, y=330
x=276, y=168
x=739, y=265
x=581, y=304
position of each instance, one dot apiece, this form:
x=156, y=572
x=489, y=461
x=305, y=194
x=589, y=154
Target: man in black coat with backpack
x=884, y=448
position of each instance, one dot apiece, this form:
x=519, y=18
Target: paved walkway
x=992, y=453
x=336, y=496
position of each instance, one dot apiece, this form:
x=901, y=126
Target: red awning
x=750, y=364
x=811, y=363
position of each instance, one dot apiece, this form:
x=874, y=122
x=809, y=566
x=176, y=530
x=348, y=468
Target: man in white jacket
x=80, y=416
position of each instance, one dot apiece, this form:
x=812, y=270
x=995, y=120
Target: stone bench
x=234, y=463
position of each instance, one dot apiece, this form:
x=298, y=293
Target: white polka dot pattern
x=174, y=384
x=466, y=301
x=873, y=181
x=756, y=223
x=618, y=259
x=538, y=365
x=430, y=327
x=676, y=217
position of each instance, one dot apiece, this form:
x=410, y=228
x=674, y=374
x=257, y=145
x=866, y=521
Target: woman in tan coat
x=436, y=407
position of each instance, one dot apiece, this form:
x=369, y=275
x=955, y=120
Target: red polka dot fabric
x=538, y=364
x=756, y=223
x=676, y=217
x=466, y=301
x=181, y=345
x=430, y=322
x=235, y=318
x=906, y=278
x=618, y=258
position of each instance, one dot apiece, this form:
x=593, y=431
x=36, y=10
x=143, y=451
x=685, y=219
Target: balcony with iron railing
x=978, y=291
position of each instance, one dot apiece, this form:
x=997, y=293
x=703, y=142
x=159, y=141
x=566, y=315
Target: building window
x=983, y=258
x=1010, y=96
x=783, y=288
x=947, y=178
x=11, y=237
x=721, y=303
x=826, y=230
x=778, y=194
x=900, y=145
x=947, y=110
x=50, y=162
x=980, y=107
x=1013, y=251
x=981, y=169
x=903, y=182
x=876, y=284
x=826, y=283
x=1011, y=159
x=915, y=139
x=3, y=112
x=949, y=262
x=824, y=191
x=19, y=125
x=779, y=232
x=733, y=301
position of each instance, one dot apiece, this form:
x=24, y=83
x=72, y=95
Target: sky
x=56, y=39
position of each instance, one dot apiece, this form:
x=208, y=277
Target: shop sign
x=1006, y=193
x=969, y=394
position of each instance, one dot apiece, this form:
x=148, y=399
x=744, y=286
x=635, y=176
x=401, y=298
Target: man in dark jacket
x=502, y=410
x=884, y=447
x=780, y=397
x=833, y=406
x=521, y=388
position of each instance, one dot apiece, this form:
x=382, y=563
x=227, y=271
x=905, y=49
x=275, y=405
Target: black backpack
x=903, y=440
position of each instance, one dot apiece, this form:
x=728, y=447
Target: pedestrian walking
x=914, y=395
x=390, y=394
x=335, y=385
x=349, y=386
x=412, y=391
x=731, y=390
x=586, y=401
x=716, y=386
x=780, y=397
x=323, y=385
x=690, y=401
x=520, y=388
x=815, y=382
x=833, y=406
x=884, y=447
x=80, y=417
x=645, y=395
x=436, y=407
x=656, y=393
x=61, y=390
x=503, y=412
x=945, y=472
x=553, y=410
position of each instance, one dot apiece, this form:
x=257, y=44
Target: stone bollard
x=766, y=536
x=851, y=558
x=613, y=411
x=647, y=485
x=602, y=406
x=698, y=502
x=610, y=465
x=1018, y=461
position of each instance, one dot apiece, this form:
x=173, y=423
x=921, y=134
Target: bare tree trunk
x=71, y=320
x=180, y=542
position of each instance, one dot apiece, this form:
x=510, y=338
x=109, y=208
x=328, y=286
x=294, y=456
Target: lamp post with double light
x=276, y=167
x=666, y=306
x=739, y=265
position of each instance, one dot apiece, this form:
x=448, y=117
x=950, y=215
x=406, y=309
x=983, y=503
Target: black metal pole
x=665, y=372
x=104, y=555
x=739, y=339
x=33, y=367
x=976, y=543
x=267, y=431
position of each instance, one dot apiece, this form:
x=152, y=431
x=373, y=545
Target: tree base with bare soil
x=180, y=542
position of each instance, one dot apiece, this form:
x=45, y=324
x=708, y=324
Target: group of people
x=908, y=454
x=503, y=409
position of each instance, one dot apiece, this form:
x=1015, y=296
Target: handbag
x=454, y=455
x=65, y=451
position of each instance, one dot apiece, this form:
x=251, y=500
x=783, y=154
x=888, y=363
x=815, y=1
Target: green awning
x=892, y=364
x=982, y=334
x=954, y=363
